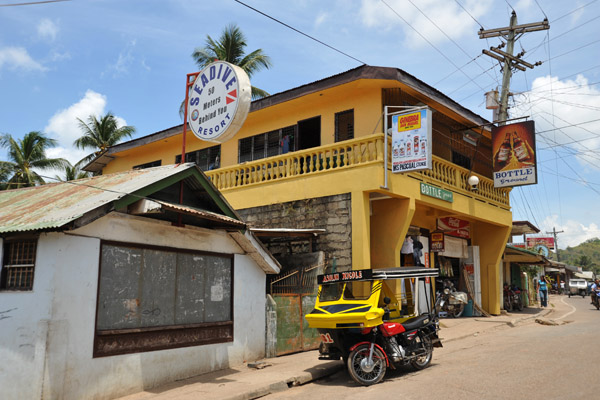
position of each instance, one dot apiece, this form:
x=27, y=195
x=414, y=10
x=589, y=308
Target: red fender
x=387, y=362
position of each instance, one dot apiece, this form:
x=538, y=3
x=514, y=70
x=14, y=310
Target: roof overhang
x=255, y=249
x=522, y=228
x=518, y=255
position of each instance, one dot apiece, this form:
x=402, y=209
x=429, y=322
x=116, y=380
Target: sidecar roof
x=378, y=274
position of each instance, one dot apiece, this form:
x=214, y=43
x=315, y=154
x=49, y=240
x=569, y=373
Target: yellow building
x=315, y=157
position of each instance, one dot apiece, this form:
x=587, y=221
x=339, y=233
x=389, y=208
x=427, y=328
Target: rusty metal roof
x=55, y=205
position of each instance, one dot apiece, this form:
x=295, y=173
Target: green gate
x=295, y=292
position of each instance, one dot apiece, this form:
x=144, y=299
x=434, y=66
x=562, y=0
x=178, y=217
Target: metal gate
x=294, y=292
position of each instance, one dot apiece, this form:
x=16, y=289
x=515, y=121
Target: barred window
x=156, y=163
x=206, y=159
x=344, y=125
x=18, y=264
x=273, y=143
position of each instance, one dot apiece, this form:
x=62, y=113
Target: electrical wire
x=431, y=44
x=300, y=32
x=31, y=3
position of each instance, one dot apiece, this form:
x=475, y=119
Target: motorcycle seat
x=416, y=322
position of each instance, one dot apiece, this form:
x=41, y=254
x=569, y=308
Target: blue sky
x=67, y=60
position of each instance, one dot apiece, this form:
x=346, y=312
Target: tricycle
x=375, y=319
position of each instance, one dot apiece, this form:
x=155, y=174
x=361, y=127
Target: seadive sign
x=219, y=102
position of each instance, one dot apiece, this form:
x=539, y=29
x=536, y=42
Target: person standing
x=543, y=291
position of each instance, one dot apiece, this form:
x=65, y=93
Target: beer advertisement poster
x=513, y=147
x=411, y=141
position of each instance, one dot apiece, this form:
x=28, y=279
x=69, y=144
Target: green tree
x=100, y=134
x=72, y=173
x=584, y=261
x=25, y=156
x=230, y=47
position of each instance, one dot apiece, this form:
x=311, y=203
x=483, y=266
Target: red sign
x=437, y=241
x=454, y=227
x=548, y=242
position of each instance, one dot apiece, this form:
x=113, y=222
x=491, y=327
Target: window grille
x=344, y=125
x=206, y=159
x=19, y=265
x=267, y=144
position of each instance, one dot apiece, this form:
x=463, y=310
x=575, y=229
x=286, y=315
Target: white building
x=119, y=283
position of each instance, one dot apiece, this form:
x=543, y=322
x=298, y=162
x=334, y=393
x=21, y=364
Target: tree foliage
x=25, y=157
x=100, y=134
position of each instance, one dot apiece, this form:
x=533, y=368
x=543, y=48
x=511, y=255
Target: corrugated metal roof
x=57, y=204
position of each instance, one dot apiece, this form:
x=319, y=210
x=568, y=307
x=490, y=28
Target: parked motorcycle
x=512, y=298
x=359, y=323
x=452, y=302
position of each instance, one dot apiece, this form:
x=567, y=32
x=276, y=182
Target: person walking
x=543, y=290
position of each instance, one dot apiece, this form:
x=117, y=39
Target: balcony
x=353, y=153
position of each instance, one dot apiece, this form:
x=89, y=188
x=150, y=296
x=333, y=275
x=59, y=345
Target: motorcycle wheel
x=520, y=306
x=507, y=305
x=361, y=371
x=424, y=348
x=458, y=310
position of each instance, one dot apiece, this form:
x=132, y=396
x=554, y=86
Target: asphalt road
x=530, y=361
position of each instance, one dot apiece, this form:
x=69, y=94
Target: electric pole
x=510, y=34
x=555, y=232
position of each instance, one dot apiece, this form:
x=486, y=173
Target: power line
x=571, y=12
x=477, y=22
x=31, y=3
x=431, y=44
x=300, y=32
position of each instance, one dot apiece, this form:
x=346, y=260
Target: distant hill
x=586, y=255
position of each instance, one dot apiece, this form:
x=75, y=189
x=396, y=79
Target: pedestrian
x=562, y=287
x=543, y=290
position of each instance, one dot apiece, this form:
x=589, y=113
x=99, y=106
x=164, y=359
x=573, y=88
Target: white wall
x=51, y=341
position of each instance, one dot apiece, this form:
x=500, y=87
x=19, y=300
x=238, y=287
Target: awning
x=589, y=275
x=523, y=256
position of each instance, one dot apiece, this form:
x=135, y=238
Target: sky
x=60, y=61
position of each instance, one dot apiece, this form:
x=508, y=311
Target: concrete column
x=390, y=221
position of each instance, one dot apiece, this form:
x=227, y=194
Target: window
x=206, y=159
x=157, y=298
x=461, y=159
x=344, y=125
x=279, y=141
x=18, y=264
x=148, y=165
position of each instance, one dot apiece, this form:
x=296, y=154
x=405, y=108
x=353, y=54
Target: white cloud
x=64, y=126
x=553, y=103
x=47, y=29
x=18, y=58
x=435, y=20
x=321, y=18
x=124, y=61
x=574, y=232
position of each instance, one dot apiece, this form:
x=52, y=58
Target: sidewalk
x=280, y=373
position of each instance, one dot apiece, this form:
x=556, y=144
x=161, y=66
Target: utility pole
x=555, y=232
x=510, y=34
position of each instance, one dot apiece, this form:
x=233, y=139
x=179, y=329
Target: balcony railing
x=350, y=154
x=347, y=154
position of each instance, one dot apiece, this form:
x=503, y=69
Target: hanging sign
x=411, y=141
x=437, y=242
x=454, y=227
x=514, y=159
x=219, y=102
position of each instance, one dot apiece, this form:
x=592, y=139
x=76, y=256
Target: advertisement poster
x=411, y=141
x=513, y=147
x=454, y=227
x=437, y=242
x=548, y=242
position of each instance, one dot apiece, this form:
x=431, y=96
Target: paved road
x=530, y=361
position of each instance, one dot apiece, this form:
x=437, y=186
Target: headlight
x=446, y=291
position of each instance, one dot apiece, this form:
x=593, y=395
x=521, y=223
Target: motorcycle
x=361, y=320
x=512, y=298
x=596, y=300
x=452, y=302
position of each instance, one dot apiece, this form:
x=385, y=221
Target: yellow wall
x=378, y=226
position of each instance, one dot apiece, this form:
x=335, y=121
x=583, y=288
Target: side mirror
x=386, y=300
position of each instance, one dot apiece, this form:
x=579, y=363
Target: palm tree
x=72, y=173
x=230, y=48
x=100, y=134
x=25, y=155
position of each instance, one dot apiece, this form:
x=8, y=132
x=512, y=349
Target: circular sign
x=541, y=249
x=219, y=102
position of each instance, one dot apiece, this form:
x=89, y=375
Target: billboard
x=411, y=141
x=513, y=147
x=533, y=242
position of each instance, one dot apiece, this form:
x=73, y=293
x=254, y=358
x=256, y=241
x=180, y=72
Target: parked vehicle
x=452, y=301
x=516, y=300
x=371, y=319
x=577, y=287
x=596, y=300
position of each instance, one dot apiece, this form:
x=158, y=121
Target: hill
x=585, y=255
